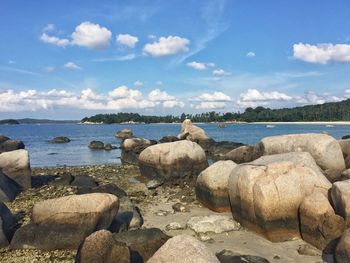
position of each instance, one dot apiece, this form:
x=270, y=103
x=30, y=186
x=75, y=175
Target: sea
x=36, y=138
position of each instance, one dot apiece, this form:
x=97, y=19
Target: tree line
x=334, y=111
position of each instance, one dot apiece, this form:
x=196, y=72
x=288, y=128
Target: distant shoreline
x=306, y=123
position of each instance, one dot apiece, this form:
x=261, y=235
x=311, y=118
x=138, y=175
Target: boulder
x=124, y=134
x=243, y=154
x=3, y=138
x=131, y=149
x=101, y=247
x=227, y=256
x=324, y=149
x=266, y=198
x=109, y=147
x=143, y=243
x=183, y=249
x=63, y=223
x=319, y=225
x=173, y=160
x=9, y=189
x=11, y=145
x=15, y=165
x=340, y=194
x=218, y=150
x=60, y=139
x=345, y=146
x=83, y=181
x=212, y=224
x=97, y=145
x=106, y=188
x=345, y=137
x=8, y=223
x=169, y=138
x=342, y=252
x=211, y=186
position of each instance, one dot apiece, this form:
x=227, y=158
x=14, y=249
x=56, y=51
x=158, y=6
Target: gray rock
x=97, y=145
x=213, y=223
x=11, y=145
x=342, y=252
x=83, y=181
x=9, y=189
x=60, y=139
x=153, y=184
x=131, y=149
x=174, y=226
x=244, y=154
x=8, y=224
x=180, y=208
x=169, y=138
x=124, y=134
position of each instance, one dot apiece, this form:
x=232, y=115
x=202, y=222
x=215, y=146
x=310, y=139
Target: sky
x=70, y=59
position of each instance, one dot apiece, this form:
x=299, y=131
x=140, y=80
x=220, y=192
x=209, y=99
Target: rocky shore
x=285, y=199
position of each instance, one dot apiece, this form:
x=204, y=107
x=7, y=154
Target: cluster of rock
x=98, y=145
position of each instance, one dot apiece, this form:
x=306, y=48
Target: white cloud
x=215, y=96
x=49, y=28
x=173, y=104
x=138, y=83
x=220, y=72
x=118, y=58
x=212, y=101
x=254, y=95
x=322, y=53
x=91, y=35
x=251, y=54
x=158, y=95
x=124, y=92
x=127, y=40
x=61, y=42
x=166, y=46
x=210, y=105
x=199, y=65
x=72, y=66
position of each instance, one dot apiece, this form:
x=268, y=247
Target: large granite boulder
x=244, y=154
x=15, y=165
x=101, y=247
x=340, y=194
x=11, y=145
x=342, y=252
x=183, y=249
x=345, y=146
x=124, y=134
x=8, y=225
x=319, y=225
x=324, y=149
x=63, y=223
x=131, y=149
x=9, y=189
x=143, y=243
x=173, y=160
x=211, y=186
x=266, y=198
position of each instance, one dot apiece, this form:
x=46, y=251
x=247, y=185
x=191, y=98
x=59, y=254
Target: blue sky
x=69, y=59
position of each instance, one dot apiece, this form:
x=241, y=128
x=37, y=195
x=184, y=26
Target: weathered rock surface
x=124, y=134
x=131, y=149
x=308, y=250
x=324, y=149
x=183, y=249
x=243, y=154
x=319, y=225
x=211, y=186
x=168, y=138
x=345, y=146
x=342, y=252
x=83, y=181
x=143, y=243
x=213, y=223
x=11, y=145
x=340, y=194
x=101, y=247
x=63, y=223
x=60, y=139
x=266, y=198
x=15, y=165
x=8, y=224
x=218, y=150
x=227, y=256
x=9, y=189
x=173, y=160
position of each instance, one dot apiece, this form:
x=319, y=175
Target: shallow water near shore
x=46, y=154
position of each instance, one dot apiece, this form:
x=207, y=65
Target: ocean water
x=43, y=153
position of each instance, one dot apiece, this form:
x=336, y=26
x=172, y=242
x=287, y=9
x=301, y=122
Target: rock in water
x=173, y=160
x=212, y=224
x=211, y=186
x=124, y=134
x=340, y=194
x=9, y=189
x=15, y=165
x=183, y=249
x=266, y=198
x=324, y=149
x=60, y=139
x=319, y=225
x=63, y=223
x=342, y=252
x=101, y=247
x=143, y=243
x=97, y=145
x=131, y=149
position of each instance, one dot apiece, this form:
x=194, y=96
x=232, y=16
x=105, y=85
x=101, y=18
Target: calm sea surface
x=42, y=153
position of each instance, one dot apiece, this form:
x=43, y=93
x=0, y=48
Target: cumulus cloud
x=173, y=104
x=61, y=42
x=166, y=46
x=215, y=96
x=251, y=54
x=124, y=92
x=254, y=95
x=72, y=66
x=322, y=53
x=211, y=101
x=199, y=65
x=167, y=100
x=91, y=35
x=220, y=72
x=127, y=40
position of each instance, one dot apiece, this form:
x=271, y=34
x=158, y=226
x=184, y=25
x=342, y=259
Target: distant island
x=34, y=121
x=327, y=112
x=9, y=121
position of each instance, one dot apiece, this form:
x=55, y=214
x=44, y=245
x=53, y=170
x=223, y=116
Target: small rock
x=227, y=256
x=204, y=237
x=213, y=223
x=138, y=189
x=153, y=184
x=96, y=145
x=308, y=250
x=161, y=213
x=60, y=139
x=178, y=207
x=174, y=226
